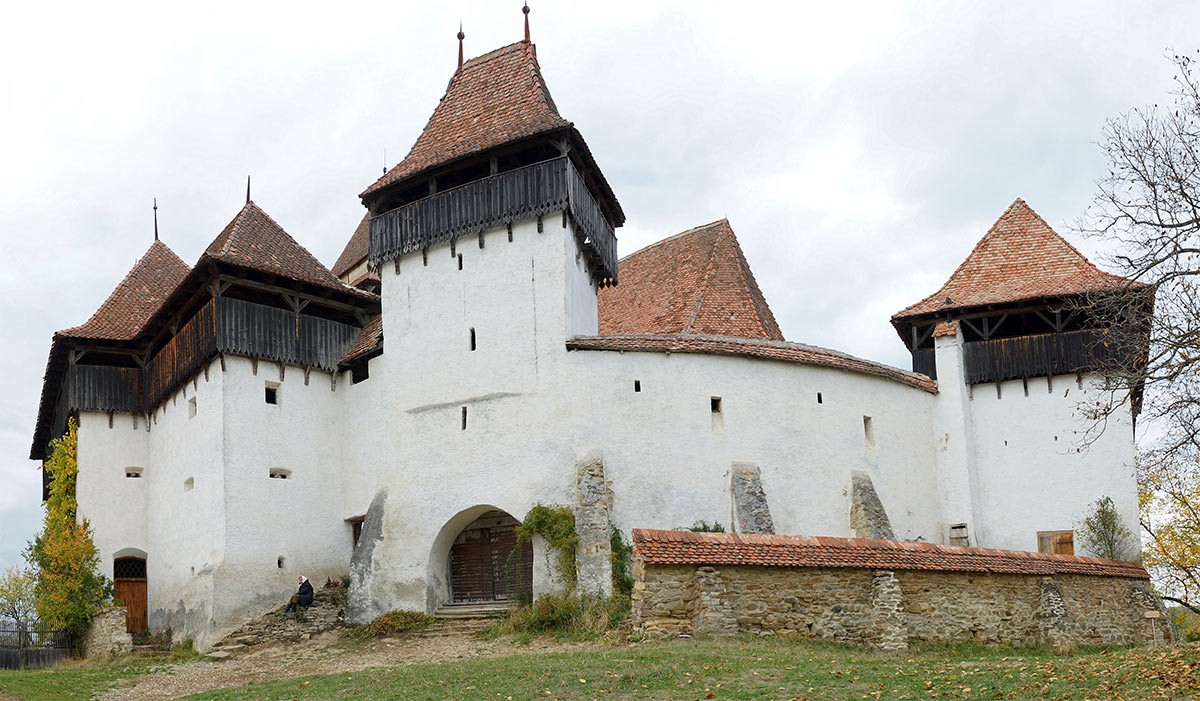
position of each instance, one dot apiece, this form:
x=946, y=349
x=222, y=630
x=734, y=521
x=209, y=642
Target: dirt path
x=317, y=656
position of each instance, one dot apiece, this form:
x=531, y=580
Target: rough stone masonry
x=884, y=593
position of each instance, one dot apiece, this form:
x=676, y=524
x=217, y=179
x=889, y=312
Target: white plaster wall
x=299, y=518
x=115, y=505
x=186, y=528
x=1033, y=471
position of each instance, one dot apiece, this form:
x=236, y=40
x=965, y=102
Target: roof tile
x=147, y=285
x=750, y=348
x=492, y=100
x=687, y=548
x=1019, y=258
x=697, y=282
x=356, y=248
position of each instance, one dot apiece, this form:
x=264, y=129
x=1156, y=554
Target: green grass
x=81, y=679
x=564, y=617
x=764, y=669
x=701, y=669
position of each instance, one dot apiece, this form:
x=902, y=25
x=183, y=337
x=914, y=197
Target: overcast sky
x=858, y=149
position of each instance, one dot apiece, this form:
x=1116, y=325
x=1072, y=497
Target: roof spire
x=461, y=36
x=525, y=11
x=155, y=218
x=247, y=189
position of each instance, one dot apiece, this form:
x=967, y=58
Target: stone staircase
x=465, y=619
x=326, y=613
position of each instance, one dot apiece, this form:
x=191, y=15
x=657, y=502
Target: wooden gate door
x=129, y=586
x=486, y=564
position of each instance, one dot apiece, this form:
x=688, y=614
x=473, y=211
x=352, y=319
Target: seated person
x=302, y=597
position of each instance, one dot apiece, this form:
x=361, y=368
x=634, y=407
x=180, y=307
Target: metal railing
x=26, y=647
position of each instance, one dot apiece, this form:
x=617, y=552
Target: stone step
x=486, y=610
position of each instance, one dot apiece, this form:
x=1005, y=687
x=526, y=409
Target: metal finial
x=461, y=36
x=155, y=218
x=385, y=161
x=525, y=10
x=247, y=189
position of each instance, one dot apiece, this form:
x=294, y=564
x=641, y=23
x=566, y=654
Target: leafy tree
x=1147, y=208
x=16, y=597
x=1103, y=534
x=68, y=590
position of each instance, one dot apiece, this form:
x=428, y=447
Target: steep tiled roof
x=367, y=340
x=492, y=100
x=147, y=285
x=355, y=251
x=1019, y=258
x=697, y=282
x=750, y=348
x=687, y=548
x=254, y=240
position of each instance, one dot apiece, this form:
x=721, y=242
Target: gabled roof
x=1020, y=258
x=147, y=285
x=697, y=282
x=687, y=548
x=356, y=248
x=492, y=100
x=254, y=240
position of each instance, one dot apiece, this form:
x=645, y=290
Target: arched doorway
x=487, y=564
x=129, y=586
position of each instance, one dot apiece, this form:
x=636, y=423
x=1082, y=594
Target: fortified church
x=478, y=348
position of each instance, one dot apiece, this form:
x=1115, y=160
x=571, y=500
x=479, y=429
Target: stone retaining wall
x=107, y=636
x=886, y=608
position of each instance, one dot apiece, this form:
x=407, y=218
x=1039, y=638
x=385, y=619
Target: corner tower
x=1017, y=355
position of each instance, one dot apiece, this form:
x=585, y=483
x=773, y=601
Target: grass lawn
x=81, y=679
x=705, y=669
x=765, y=669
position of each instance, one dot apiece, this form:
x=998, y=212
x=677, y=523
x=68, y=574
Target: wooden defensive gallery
x=479, y=348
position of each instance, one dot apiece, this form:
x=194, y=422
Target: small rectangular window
x=191, y=407
x=133, y=472
x=278, y=473
x=189, y=484
x=820, y=399
x=715, y=404
x=637, y=385
x=718, y=420
x=869, y=432
x=271, y=393
x=1057, y=542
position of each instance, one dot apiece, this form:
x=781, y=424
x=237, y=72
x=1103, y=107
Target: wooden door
x=487, y=564
x=129, y=587
x=1057, y=542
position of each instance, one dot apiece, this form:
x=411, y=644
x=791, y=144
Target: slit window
x=271, y=393
x=133, y=472
x=189, y=484
x=637, y=385
x=869, y=432
x=464, y=418
x=820, y=399
x=279, y=562
x=718, y=419
x=472, y=339
x=460, y=261
x=278, y=473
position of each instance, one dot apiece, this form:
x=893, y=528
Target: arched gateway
x=487, y=564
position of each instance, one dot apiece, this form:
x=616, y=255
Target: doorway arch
x=129, y=586
x=483, y=561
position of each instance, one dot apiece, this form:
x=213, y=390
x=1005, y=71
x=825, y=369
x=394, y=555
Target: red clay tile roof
x=1019, y=258
x=147, y=285
x=750, y=348
x=687, y=548
x=355, y=251
x=254, y=240
x=494, y=99
x=367, y=341
x=946, y=328
x=697, y=282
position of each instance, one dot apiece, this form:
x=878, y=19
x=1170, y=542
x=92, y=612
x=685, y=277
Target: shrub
x=703, y=527
x=571, y=616
x=391, y=624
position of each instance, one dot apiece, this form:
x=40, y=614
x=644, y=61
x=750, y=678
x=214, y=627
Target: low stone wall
x=107, y=635
x=832, y=588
